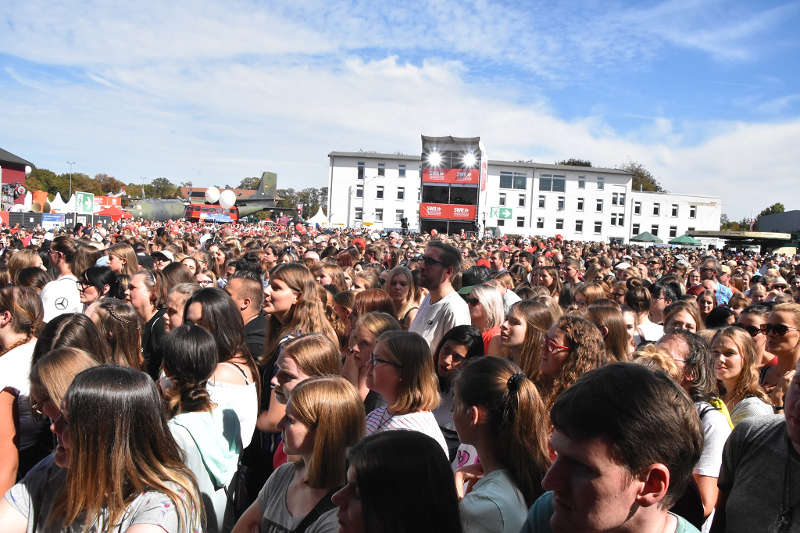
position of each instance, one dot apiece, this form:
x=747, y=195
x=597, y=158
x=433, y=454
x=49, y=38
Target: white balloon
x=227, y=198
x=212, y=195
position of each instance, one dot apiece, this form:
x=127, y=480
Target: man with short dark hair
x=626, y=439
x=246, y=290
x=442, y=309
x=710, y=271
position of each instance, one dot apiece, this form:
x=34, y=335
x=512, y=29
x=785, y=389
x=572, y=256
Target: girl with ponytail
x=208, y=436
x=500, y=413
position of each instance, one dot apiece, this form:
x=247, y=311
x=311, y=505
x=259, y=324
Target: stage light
x=470, y=160
x=434, y=159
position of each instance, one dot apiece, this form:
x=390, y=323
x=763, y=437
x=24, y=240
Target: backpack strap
x=323, y=506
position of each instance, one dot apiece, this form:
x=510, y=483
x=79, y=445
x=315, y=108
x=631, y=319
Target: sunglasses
x=778, y=329
x=752, y=330
x=471, y=300
x=430, y=261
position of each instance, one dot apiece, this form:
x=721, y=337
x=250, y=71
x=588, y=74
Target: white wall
x=706, y=217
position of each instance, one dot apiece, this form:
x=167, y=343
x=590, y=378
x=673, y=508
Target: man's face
x=431, y=271
x=498, y=264
x=707, y=271
x=234, y=289
x=591, y=491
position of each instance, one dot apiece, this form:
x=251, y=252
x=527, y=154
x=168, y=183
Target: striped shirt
x=423, y=421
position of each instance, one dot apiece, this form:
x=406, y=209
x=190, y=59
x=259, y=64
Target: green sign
x=501, y=212
x=84, y=203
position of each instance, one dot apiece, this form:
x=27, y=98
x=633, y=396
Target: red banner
x=469, y=176
x=448, y=211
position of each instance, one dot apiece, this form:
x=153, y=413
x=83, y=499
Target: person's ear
x=654, y=485
x=246, y=302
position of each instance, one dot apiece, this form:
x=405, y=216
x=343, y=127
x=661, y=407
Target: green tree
x=108, y=184
x=574, y=162
x=643, y=179
x=250, y=184
x=771, y=210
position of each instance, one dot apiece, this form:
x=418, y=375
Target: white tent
x=58, y=205
x=28, y=202
x=319, y=218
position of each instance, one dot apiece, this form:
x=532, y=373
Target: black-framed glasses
x=430, y=261
x=752, y=330
x=375, y=361
x=471, y=300
x=778, y=329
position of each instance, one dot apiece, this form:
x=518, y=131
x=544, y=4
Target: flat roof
x=376, y=155
x=743, y=235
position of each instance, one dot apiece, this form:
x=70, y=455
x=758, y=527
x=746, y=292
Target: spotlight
x=470, y=160
x=434, y=159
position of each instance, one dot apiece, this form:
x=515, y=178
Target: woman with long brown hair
x=404, y=294
x=116, y=464
x=122, y=259
x=522, y=334
x=20, y=316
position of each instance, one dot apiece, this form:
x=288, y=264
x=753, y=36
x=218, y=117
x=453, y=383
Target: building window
x=599, y=208
x=598, y=227
x=635, y=229
x=359, y=213
x=381, y=169
x=401, y=193
x=398, y=216
x=656, y=209
x=637, y=208
x=361, y=170
x=379, y=215
x=581, y=183
x=541, y=202
x=674, y=210
x=559, y=223
x=521, y=200
x=359, y=191
x=579, y=226
x=622, y=198
x=512, y=180
x=654, y=229
x=548, y=182
x=502, y=200
x=689, y=230
x=561, y=202
x=580, y=204
x=614, y=198
x=540, y=223
x=379, y=192
x=692, y=211
x=601, y=183
x=520, y=222
x=620, y=219
x=613, y=219
x=501, y=222
x=401, y=170
x=673, y=232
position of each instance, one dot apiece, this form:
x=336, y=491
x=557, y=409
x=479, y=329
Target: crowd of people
x=187, y=377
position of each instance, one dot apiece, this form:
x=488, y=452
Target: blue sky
x=703, y=93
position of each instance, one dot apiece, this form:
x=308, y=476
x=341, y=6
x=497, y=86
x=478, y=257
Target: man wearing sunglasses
x=443, y=308
x=711, y=271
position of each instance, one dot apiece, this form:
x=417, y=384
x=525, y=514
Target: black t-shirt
x=152, y=335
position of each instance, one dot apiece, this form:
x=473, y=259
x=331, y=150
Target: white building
x=522, y=198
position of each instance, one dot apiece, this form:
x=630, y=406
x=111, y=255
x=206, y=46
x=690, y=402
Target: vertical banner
x=484, y=165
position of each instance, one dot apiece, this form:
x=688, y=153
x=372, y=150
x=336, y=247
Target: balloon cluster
x=226, y=198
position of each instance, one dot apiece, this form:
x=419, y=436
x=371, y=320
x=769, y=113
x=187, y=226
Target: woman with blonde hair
x=783, y=340
x=324, y=417
x=116, y=466
x=52, y=375
x=404, y=294
x=486, y=311
x=611, y=323
x=122, y=259
x=655, y=358
x=23, y=259
x=735, y=359
x=401, y=371
x=587, y=293
x=683, y=314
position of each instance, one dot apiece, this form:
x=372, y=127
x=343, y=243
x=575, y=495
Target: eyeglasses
x=375, y=361
x=430, y=261
x=552, y=346
x=471, y=300
x=752, y=330
x=778, y=329
x=205, y=282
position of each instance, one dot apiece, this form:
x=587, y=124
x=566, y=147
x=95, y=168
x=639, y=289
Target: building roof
x=566, y=168
x=8, y=157
x=450, y=139
x=376, y=155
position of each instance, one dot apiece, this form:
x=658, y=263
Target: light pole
x=74, y=205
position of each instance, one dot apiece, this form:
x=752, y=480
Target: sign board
x=505, y=213
x=467, y=176
x=448, y=211
x=84, y=203
x=51, y=221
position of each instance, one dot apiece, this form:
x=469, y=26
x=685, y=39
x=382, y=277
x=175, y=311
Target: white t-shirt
x=434, y=320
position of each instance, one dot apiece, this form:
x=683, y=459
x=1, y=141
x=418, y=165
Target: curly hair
x=586, y=352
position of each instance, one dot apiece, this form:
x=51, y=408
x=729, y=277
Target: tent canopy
x=686, y=240
x=646, y=237
x=318, y=218
x=115, y=213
